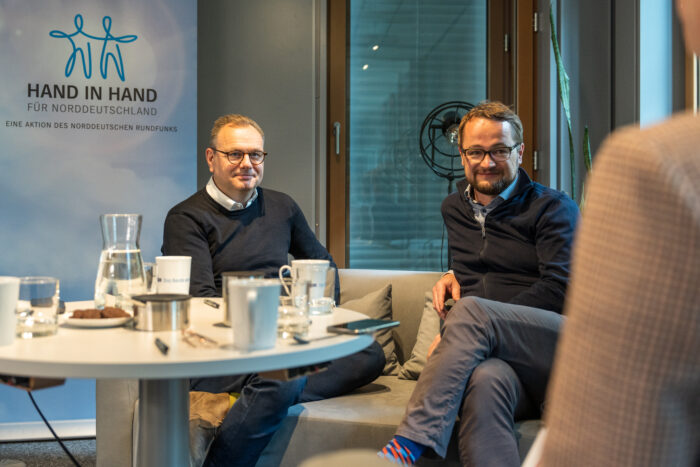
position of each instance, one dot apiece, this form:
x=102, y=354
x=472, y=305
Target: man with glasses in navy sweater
x=510, y=244
x=235, y=225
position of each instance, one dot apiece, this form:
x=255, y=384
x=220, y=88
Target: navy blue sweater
x=258, y=237
x=523, y=254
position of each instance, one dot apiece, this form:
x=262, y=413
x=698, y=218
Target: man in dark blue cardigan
x=510, y=243
x=234, y=225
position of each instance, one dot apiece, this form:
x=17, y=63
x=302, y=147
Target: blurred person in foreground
x=233, y=224
x=510, y=244
x=626, y=385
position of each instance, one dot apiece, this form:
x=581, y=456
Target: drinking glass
x=325, y=302
x=37, y=307
x=150, y=276
x=293, y=314
x=314, y=271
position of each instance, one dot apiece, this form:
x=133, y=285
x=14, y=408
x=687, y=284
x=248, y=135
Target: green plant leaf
x=564, y=97
x=562, y=76
x=586, y=150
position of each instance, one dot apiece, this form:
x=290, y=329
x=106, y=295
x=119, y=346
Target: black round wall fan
x=439, y=146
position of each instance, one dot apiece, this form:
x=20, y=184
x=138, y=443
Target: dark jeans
x=263, y=404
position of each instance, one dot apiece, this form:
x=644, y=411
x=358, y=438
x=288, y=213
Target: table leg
x=164, y=436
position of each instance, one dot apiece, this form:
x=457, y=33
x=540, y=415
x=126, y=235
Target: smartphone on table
x=362, y=326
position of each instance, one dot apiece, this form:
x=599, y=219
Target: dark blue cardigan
x=523, y=255
x=258, y=237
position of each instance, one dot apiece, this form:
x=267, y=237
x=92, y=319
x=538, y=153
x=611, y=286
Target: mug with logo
x=173, y=274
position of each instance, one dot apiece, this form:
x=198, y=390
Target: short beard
x=490, y=189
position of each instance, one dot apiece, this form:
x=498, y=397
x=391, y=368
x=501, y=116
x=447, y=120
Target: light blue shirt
x=481, y=211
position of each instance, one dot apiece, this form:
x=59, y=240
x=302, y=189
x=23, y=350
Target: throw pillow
x=377, y=305
x=428, y=328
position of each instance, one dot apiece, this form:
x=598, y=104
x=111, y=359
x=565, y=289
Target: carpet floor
x=48, y=453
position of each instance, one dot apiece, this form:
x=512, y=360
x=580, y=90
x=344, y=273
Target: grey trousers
x=491, y=367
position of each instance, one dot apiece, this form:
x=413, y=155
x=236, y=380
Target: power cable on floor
x=63, y=446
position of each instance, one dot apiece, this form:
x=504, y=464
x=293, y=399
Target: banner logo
x=108, y=43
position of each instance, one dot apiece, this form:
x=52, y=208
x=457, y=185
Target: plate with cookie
x=108, y=317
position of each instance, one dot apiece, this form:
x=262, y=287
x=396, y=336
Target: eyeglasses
x=498, y=154
x=235, y=157
x=195, y=339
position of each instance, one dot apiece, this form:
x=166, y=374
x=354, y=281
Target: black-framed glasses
x=235, y=157
x=498, y=154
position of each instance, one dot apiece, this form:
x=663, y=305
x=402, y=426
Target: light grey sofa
x=366, y=418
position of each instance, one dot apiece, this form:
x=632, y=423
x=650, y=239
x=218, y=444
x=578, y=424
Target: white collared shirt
x=221, y=198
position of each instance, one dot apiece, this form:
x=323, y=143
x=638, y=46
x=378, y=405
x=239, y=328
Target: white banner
x=97, y=115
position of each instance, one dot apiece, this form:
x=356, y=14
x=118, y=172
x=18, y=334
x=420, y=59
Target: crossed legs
x=493, y=362
x=494, y=398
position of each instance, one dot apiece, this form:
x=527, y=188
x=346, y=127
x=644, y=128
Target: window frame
x=510, y=79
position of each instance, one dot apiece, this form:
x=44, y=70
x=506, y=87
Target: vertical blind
x=406, y=57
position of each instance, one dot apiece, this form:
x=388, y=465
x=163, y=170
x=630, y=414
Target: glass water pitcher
x=120, y=272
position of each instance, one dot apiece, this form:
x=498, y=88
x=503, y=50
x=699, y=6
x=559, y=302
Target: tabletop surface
x=121, y=352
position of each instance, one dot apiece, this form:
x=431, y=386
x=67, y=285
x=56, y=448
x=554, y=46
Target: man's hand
x=446, y=287
x=433, y=346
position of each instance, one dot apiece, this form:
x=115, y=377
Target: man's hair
x=494, y=111
x=233, y=120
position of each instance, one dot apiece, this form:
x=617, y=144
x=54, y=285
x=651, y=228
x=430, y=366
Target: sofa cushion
x=365, y=418
x=377, y=305
x=408, y=290
x=346, y=458
x=427, y=330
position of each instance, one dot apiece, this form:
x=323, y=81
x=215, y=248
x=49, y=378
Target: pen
x=161, y=346
x=211, y=303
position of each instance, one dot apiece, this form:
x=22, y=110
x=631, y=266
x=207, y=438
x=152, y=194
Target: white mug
x=9, y=291
x=312, y=270
x=173, y=274
x=252, y=306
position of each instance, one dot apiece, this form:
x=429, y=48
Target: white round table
x=121, y=352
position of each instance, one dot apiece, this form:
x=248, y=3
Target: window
x=405, y=58
x=390, y=63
